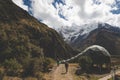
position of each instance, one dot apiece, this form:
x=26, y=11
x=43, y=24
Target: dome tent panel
x=98, y=54
x=99, y=57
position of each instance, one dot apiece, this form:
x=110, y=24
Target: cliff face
x=21, y=35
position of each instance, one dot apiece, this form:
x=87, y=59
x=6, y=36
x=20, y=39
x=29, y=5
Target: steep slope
x=90, y=34
x=22, y=35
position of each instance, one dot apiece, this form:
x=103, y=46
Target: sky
x=58, y=13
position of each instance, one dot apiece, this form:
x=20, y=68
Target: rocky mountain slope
x=22, y=35
x=101, y=34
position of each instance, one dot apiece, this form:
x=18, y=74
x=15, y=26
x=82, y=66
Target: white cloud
x=44, y=10
x=75, y=12
x=21, y=4
x=109, y=2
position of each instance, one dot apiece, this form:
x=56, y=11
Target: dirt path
x=59, y=73
x=109, y=76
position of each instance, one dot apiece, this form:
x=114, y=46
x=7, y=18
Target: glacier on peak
x=71, y=33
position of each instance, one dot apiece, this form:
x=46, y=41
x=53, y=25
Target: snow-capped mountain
x=70, y=34
x=86, y=35
x=57, y=13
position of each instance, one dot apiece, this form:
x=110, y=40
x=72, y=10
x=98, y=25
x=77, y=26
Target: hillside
x=21, y=35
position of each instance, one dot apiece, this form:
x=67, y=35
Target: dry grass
x=11, y=78
x=30, y=78
x=16, y=78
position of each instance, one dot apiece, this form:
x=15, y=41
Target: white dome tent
x=99, y=55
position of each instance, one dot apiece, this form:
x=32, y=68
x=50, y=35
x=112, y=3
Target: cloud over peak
x=57, y=13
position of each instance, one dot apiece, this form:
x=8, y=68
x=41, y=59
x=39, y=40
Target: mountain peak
x=72, y=32
x=93, y=34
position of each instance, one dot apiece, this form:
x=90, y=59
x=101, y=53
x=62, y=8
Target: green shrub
x=34, y=66
x=12, y=67
x=1, y=74
x=39, y=76
x=47, y=64
x=85, y=62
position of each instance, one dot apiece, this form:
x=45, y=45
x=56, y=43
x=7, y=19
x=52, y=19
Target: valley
x=32, y=50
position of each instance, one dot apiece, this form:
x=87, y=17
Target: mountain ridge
x=97, y=34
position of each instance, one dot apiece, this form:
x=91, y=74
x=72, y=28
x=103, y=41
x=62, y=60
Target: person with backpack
x=66, y=66
x=58, y=62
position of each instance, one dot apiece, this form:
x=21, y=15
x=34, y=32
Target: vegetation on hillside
x=26, y=44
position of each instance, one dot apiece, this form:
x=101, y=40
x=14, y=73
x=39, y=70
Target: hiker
x=66, y=66
x=58, y=62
